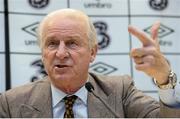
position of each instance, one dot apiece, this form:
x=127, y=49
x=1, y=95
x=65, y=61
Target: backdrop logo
x=158, y=4
x=40, y=73
x=98, y=4
x=38, y=3
x=102, y=68
x=163, y=30
x=103, y=37
x=31, y=29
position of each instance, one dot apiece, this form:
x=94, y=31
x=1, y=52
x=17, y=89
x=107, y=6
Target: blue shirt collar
x=58, y=95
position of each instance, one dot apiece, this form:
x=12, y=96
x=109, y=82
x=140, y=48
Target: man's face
x=66, y=53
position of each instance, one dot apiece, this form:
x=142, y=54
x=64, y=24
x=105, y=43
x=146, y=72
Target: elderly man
x=68, y=42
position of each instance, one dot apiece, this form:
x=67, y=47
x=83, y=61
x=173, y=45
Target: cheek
x=83, y=60
x=48, y=59
x=48, y=55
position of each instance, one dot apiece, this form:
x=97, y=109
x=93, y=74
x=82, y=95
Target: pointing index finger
x=141, y=35
x=154, y=30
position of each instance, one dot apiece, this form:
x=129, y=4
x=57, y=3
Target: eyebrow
x=74, y=36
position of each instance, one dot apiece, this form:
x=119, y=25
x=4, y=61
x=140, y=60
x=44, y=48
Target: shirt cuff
x=177, y=92
x=170, y=97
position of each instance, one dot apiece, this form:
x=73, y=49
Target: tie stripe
x=69, y=101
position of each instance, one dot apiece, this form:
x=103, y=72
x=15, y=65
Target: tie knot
x=70, y=100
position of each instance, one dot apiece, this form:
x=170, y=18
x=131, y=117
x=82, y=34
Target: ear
x=93, y=53
x=42, y=59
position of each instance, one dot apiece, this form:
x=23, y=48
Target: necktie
x=69, y=101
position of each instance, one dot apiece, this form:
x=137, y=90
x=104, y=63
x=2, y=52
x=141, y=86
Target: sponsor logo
x=31, y=29
x=31, y=42
x=40, y=73
x=98, y=4
x=163, y=31
x=103, y=37
x=158, y=4
x=102, y=68
x=38, y=3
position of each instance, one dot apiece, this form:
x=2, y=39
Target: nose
x=62, y=52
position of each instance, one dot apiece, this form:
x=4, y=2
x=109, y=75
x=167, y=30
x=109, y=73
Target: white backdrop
x=111, y=19
x=2, y=48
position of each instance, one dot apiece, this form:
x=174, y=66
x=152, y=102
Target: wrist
x=170, y=82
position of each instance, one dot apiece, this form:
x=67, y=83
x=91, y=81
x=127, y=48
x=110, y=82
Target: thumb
x=154, y=30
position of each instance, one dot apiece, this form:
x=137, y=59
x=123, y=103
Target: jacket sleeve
x=169, y=112
x=137, y=104
x=4, y=109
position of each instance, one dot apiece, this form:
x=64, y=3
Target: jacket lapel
x=96, y=109
x=39, y=104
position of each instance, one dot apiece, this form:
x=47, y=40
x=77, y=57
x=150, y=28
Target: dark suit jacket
x=34, y=99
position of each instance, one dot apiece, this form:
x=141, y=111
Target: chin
x=68, y=89
x=64, y=76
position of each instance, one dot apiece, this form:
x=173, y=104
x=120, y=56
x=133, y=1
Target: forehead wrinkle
x=63, y=28
x=63, y=37
x=64, y=33
x=61, y=19
x=60, y=15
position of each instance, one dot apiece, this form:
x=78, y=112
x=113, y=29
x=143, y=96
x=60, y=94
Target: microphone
x=90, y=88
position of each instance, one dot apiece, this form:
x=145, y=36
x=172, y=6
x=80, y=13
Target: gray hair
x=70, y=13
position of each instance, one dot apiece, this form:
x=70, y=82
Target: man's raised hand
x=149, y=58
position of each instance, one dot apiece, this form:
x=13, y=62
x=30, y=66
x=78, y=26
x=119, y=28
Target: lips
x=61, y=66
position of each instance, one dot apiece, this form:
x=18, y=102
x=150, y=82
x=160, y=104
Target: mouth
x=61, y=66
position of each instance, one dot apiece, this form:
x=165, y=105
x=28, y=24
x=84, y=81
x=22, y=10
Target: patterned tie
x=69, y=101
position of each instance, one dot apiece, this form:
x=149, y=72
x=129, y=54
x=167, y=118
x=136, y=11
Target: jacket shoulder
x=12, y=100
x=26, y=89
x=113, y=80
x=109, y=84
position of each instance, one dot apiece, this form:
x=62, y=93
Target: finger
x=150, y=59
x=141, y=35
x=146, y=59
x=154, y=33
x=146, y=63
x=142, y=67
x=138, y=60
x=154, y=30
x=140, y=52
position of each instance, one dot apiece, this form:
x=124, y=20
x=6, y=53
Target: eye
x=72, y=44
x=52, y=44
